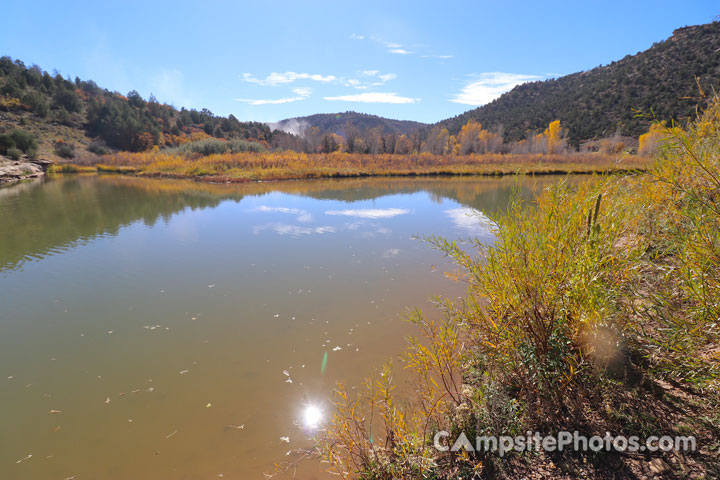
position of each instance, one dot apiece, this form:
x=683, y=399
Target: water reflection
x=199, y=329
x=44, y=217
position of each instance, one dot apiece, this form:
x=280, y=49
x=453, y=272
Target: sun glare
x=312, y=416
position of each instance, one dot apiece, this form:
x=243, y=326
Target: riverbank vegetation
x=596, y=310
x=293, y=165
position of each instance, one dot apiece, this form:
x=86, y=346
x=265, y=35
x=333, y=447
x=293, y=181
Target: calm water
x=172, y=330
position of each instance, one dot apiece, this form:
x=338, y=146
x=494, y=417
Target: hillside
x=339, y=122
x=79, y=120
x=603, y=101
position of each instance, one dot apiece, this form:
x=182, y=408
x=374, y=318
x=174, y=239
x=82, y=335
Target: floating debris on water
x=54, y=411
x=183, y=372
x=208, y=405
x=23, y=459
x=107, y=400
x=172, y=434
x=237, y=427
x=285, y=439
x=336, y=349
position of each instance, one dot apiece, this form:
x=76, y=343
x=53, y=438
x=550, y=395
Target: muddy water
x=171, y=330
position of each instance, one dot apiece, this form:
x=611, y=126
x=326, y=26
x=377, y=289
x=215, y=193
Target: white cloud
x=373, y=97
x=365, y=83
x=399, y=49
x=489, y=86
x=301, y=92
x=276, y=78
x=269, y=101
x=370, y=212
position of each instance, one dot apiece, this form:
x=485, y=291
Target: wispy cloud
x=301, y=94
x=368, y=79
x=486, y=87
x=400, y=49
x=276, y=78
x=373, y=97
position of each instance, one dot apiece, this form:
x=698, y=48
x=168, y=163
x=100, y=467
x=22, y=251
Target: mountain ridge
x=337, y=123
x=665, y=80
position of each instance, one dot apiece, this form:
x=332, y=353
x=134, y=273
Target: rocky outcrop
x=12, y=171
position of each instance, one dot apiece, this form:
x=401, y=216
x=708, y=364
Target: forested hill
x=83, y=114
x=339, y=122
x=605, y=100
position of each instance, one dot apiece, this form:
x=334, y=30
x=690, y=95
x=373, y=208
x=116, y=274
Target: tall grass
x=582, y=287
x=293, y=165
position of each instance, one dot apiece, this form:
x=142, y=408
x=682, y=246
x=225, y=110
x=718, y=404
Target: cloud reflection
x=293, y=230
x=303, y=215
x=370, y=212
x=471, y=220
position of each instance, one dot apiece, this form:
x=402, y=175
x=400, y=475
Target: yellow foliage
x=657, y=135
x=553, y=134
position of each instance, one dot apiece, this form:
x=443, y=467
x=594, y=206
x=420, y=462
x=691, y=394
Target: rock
x=658, y=466
x=11, y=171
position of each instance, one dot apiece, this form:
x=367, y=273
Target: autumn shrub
x=576, y=285
x=683, y=226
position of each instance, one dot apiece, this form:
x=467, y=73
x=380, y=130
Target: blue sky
x=266, y=61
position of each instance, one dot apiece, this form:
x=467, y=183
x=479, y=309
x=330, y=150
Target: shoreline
x=101, y=169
